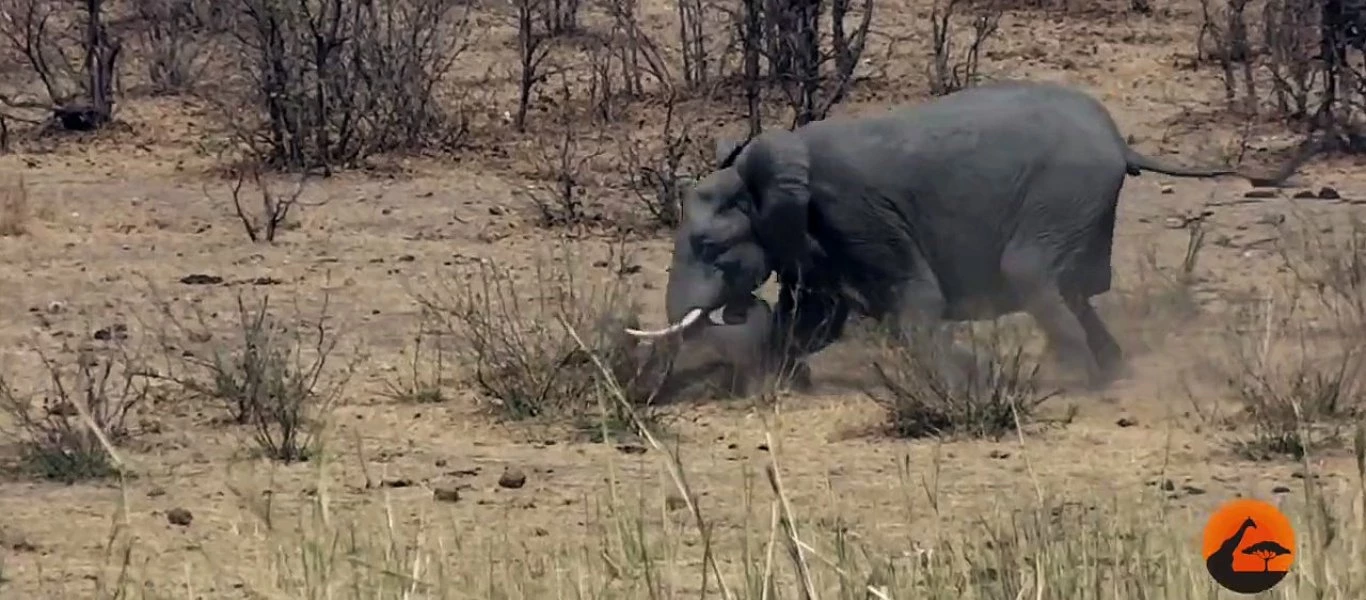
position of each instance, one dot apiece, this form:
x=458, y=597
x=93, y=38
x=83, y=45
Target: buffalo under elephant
x=992, y=200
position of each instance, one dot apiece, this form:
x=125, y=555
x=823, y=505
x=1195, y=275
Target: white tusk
x=718, y=316
x=688, y=319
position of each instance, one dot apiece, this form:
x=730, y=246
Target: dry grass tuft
x=999, y=387
x=14, y=210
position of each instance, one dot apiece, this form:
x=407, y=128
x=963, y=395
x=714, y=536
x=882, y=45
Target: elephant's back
x=950, y=179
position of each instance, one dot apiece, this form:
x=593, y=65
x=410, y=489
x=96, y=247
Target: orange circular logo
x=1248, y=546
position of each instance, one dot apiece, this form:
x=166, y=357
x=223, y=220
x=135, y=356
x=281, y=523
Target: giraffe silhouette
x=1220, y=562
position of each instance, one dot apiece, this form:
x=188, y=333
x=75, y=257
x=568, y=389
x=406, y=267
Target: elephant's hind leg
x=1109, y=356
x=1030, y=276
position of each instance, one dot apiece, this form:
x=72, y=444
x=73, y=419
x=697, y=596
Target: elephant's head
x=739, y=224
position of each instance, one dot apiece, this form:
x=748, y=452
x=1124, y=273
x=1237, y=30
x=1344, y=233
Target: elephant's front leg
x=807, y=320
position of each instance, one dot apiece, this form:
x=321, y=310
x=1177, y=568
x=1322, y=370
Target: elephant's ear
x=776, y=169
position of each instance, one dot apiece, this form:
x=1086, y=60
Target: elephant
x=988, y=201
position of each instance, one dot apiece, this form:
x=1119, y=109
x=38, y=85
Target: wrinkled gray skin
x=992, y=200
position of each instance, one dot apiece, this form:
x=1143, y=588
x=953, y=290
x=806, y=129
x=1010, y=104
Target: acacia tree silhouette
x=1266, y=550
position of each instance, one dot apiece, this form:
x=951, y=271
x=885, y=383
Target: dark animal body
x=993, y=200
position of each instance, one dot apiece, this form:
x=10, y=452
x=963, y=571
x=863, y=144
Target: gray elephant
x=992, y=200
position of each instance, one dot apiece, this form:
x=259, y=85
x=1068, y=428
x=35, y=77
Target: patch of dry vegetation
x=1296, y=355
x=988, y=388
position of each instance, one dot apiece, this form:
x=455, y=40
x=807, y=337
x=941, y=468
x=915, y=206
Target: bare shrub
x=1225, y=28
x=273, y=375
x=533, y=48
x=71, y=52
x=998, y=390
x=950, y=68
x=618, y=62
x=177, y=37
x=794, y=34
x=524, y=361
x=338, y=81
x=1290, y=36
x=90, y=398
x=562, y=164
x=660, y=167
x=263, y=224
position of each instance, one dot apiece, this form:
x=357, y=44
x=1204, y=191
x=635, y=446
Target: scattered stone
x=512, y=478
x=1167, y=485
x=1280, y=489
x=266, y=281
x=118, y=331
x=179, y=516
x=1327, y=193
x=1264, y=193
x=1192, y=490
x=631, y=449
x=440, y=462
x=396, y=483
x=998, y=454
x=407, y=258
x=540, y=532
x=675, y=502
x=201, y=279
x=763, y=447
x=446, y=494
x=1167, y=189
x=1305, y=195
x=55, y=307
x=156, y=491
x=1126, y=422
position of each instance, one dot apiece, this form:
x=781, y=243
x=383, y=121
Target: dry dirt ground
x=126, y=213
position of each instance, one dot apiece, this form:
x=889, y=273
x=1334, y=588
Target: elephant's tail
x=1136, y=163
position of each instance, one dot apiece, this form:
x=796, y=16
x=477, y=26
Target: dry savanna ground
x=384, y=401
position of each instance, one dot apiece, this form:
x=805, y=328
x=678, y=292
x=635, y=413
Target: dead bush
x=660, y=167
x=335, y=82
x=810, y=53
x=1224, y=37
x=951, y=68
x=508, y=329
x=263, y=224
x=86, y=400
x=178, y=38
x=563, y=166
x=271, y=374
x=73, y=55
x=999, y=388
